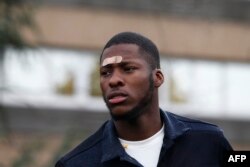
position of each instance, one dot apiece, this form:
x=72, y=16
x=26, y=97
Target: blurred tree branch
x=14, y=17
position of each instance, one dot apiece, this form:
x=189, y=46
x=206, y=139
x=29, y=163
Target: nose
x=116, y=79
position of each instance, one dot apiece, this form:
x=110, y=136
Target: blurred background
x=49, y=50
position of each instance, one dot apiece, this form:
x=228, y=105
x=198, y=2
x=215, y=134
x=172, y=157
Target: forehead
x=125, y=52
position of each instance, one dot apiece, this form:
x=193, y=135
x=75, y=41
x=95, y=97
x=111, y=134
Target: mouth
x=117, y=98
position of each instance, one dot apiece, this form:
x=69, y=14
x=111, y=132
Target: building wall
x=90, y=28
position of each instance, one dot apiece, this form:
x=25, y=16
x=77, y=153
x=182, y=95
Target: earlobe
x=158, y=78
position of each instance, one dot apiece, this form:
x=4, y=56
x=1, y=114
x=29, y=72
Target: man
x=140, y=133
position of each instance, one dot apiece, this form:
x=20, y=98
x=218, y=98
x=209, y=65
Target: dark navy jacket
x=187, y=143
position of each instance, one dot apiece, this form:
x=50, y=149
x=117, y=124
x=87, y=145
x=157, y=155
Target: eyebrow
x=123, y=63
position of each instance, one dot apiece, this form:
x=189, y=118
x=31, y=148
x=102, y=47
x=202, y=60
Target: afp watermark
x=237, y=159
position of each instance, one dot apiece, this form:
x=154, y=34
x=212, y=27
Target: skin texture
x=130, y=91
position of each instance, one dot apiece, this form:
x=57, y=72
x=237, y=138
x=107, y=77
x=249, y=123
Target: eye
x=105, y=73
x=129, y=69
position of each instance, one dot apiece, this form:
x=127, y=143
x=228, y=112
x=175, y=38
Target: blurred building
x=192, y=29
x=204, y=46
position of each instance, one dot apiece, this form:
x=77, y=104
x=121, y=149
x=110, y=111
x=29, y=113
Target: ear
x=158, y=77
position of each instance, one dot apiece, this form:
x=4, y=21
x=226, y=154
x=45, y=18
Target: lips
x=117, y=97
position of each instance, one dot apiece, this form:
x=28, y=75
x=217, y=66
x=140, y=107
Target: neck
x=143, y=127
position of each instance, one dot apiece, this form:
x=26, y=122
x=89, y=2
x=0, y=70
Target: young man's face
x=126, y=80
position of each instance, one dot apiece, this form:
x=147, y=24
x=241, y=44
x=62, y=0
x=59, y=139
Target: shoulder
x=198, y=135
x=87, y=150
x=194, y=124
x=199, y=143
x=200, y=132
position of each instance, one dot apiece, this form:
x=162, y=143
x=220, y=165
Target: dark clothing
x=186, y=143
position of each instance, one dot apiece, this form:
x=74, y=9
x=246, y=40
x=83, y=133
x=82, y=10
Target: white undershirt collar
x=145, y=151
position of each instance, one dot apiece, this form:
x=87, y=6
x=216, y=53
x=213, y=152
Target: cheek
x=140, y=85
x=103, y=85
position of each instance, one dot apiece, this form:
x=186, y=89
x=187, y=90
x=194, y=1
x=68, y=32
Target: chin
x=119, y=111
x=125, y=114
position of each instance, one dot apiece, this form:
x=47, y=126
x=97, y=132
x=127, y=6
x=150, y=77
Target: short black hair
x=145, y=45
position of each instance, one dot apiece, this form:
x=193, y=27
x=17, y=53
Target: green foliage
x=67, y=87
x=95, y=82
x=27, y=155
x=14, y=16
x=68, y=143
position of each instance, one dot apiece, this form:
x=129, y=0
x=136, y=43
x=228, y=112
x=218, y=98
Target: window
x=46, y=77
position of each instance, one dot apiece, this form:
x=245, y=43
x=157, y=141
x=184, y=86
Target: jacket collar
x=112, y=147
x=173, y=129
x=173, y=126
